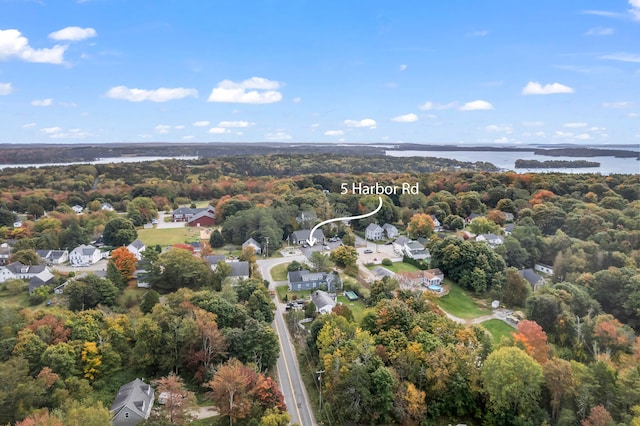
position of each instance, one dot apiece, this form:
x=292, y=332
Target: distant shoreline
x=555, y=164
x=69, y=153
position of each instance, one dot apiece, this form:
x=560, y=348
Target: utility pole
x=319, y=373
x=266, y=247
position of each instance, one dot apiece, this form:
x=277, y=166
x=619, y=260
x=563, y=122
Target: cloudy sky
x=430, y=71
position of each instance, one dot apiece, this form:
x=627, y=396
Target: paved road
x=291, y=385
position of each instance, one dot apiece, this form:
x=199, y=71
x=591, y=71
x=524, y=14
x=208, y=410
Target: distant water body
x=106, y=160
x=506, y=160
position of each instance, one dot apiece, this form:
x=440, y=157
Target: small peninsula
x=555, y=164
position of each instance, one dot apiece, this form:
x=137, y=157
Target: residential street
x=291, y=385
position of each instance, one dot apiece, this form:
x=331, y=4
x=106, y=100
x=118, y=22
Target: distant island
x=555, y=164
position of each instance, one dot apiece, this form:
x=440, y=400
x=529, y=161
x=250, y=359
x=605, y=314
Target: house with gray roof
x=84, y=255
x=374, y=232
x=214, y=259
x=5, y=253
x=132, y=404
x=390, y=230
x=257, y=248
x=239, y=270
x=535, y=280
x=416, y=250
x=43, y=278
x=17, y=270
x=106, y=207
x=136, y=248
x=306, y=280
x=437, y=226
x=398, y=244
x=300, y=237
x=324, y=303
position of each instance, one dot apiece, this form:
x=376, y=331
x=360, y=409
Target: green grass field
x=283, y=290
x=460, y=304
x=398, y=267
x=357, y=307
x=279, y=272
x=498, y=329
x=168, y=236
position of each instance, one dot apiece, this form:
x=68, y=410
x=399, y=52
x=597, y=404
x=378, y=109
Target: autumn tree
x=409, y=404
x=178, y=400
x=420, y=225
x=178, y=268
x=533, y=340
x=344, y=256
x=598, y=416
x=516, y=289
x=125, y=262
x=26, y=257
x=231, y=389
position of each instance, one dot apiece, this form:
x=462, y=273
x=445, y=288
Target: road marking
x=286, y=366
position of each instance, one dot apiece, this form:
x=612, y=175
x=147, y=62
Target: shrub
x=387, y=262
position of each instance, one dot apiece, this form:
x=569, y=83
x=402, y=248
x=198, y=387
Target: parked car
x=368, y=251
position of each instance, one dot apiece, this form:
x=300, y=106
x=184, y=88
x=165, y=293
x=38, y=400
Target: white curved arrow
x=311, y=241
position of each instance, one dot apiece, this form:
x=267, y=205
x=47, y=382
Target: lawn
x=21, y=299
x=460, y=304
x=498, y=329
x=279, y=272
x=357, y=307
x=168, y=236
x=283, y=290
x=398, y=267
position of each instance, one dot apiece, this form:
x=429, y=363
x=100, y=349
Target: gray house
x=532, y=278
x=324, y=303
x=305, y=280
x=133, y=404
x=257, y=248
x=374, y=232
x=301, y=236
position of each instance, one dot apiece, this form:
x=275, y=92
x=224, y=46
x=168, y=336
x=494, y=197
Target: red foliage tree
x=50, y=329
x=533, y=340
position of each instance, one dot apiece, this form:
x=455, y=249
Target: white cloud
x=635, y=9
x=68, y=104
x=406, y=118
x=279, y=135
x=482, y=33
x=575, y=125
x=218, y=130
x=296, y=100
x=334, y=133
x=477, y=105
x=51, y=130
x=535, y=88
x=622, y=56
x=583, y=137
x=42, y=102
x=600, y=31
x=162, y=129
x=203, y=123
x=633, y=115
x=186, y=138
x=5, y=89
x=533, y=123
x=235, y=124
x=499, y=128
x=73, y=34
x=70, y=134
x=179, y=127
x=162, y=94
x=28, y=125
x=315, y=125
x=618, y=105
x=14, y=45
x=427, y=106
x=604, y=13
x=365, y=122
x=264, y=91
x=502, y=139
x=403, y=67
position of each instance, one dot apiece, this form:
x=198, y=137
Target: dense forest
x=574, y=361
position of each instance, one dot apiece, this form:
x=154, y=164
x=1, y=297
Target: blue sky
x=498, y=72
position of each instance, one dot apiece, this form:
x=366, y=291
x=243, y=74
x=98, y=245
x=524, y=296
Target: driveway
x=162, y=224
x=101, y=266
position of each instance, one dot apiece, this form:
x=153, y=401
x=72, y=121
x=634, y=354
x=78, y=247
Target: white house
x=106, y=207
x=53, y=257
x=374, y=232
x=398, y=244
x=324, y=303
x=545, y=269
x=136, y=248
x=84, y=255
x=132, y=404
x=390, y=230
x=416, y=251
x=257, y=248
x=491, y=239
x=77, y=208
x=437, y=226
x=17, y=270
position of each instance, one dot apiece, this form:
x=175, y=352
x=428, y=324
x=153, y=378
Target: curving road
x=291, y=385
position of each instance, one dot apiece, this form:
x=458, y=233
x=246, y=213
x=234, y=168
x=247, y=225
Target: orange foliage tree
x=125, y=262
x=533, y=340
